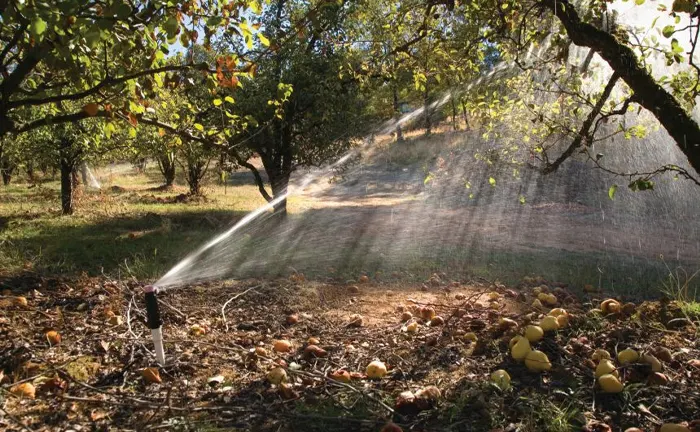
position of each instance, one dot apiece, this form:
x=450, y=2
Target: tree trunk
x=279, y=181
x=397, y=114
x=454, y=114
x=6, y=168
x=6, y=176
x=649, y=94
x=31, y=176
x=464, y=114
x=195, y=172
x=66, y=186
x=426, y=111
x=166, y=164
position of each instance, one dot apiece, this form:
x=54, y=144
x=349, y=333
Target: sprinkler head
x=154, y=322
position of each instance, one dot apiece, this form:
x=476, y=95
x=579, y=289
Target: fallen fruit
x=427, y=313
x=313, y=341
x=406, y=316
x=556, y=312
x=260, y=351
x=115, y=320
x=537, y=304
x=430, y=394
x=627, y=356
x=649, y=359
x=507, y=323
x=364, y=279
x=277, y=376
x=563, y=321
x=287, y=391
x=20, y=301
x=282, y=345
x=551, y=300
x=673, y=427
x=629, y=308
x=315, y=351
x=391, y=427
x=610, y=384
x=151, y=375
x=514, y=340
x=356, y=320
x=412, y=328
x=501, y=379
x=197, y=330
x=493, y=296
x=292, y=319
x=53, y=337
x=24, y=390
x=610, y=306
x=657, y=378
x=601, y=354
x=471, y=337
x=405, y=400
x=549, y=323
x=520, y=349
x=633, y=429
x=537, y=361
x=341, y=375
x=605, y=367
x=663, y=354
x=437, y=321
x=375, y=370
x=534, y=333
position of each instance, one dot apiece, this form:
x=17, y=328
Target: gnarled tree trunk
x=624, y=62
x=67, y=166
x=166, y=164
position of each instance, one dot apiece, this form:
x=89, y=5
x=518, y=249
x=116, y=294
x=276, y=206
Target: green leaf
x=676, y=47
x=522, y=199
x=218, y=102
x=38, y=27
x=492, y=181
x=611, y=191
x=668, y=31
x=123, y=11
x=263, y=40
x=199, y=127
x=639, y=2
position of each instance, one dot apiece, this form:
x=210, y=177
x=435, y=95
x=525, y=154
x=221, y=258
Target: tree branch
x=107, y=82
x=585, y=127
x=258, y=179
x=649, y=93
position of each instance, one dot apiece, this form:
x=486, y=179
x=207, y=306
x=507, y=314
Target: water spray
x=154, y=322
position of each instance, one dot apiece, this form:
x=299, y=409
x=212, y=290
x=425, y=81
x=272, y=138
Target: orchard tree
x=296, y=112
x=92, y=52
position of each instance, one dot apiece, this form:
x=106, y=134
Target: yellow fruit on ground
x=277, y=376
x=493, y=295
x=406, y=316
x=151, y=375
x=627, y=356
x=20, y=301
x=556, y=312
x=471, y=337
x=514, y=340
x=610, y=306
x=673, y=427
x=605, y=367
x=551, y=299
x=282, y=346
x=534, y=333
x=520, y=349
x=549, y=323
x=542, y=297
x=537, y=304
x=427, y=313
x=601, y=354
x=437, y=321
x=364, y=279
x=563, y=321
x=501, y=379
x=633, y=429
x=24, y=390
x=507, y=323
x=53, y=337
x=313, y=341
x=537, y=361
x=376, y=370
x=412, y=328
x=610, y=384
x=341, y=375
x=656, y=365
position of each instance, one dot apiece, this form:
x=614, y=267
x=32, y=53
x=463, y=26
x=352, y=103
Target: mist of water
x=429, y=205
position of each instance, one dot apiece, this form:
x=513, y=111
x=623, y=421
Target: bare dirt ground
x=220, y=349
